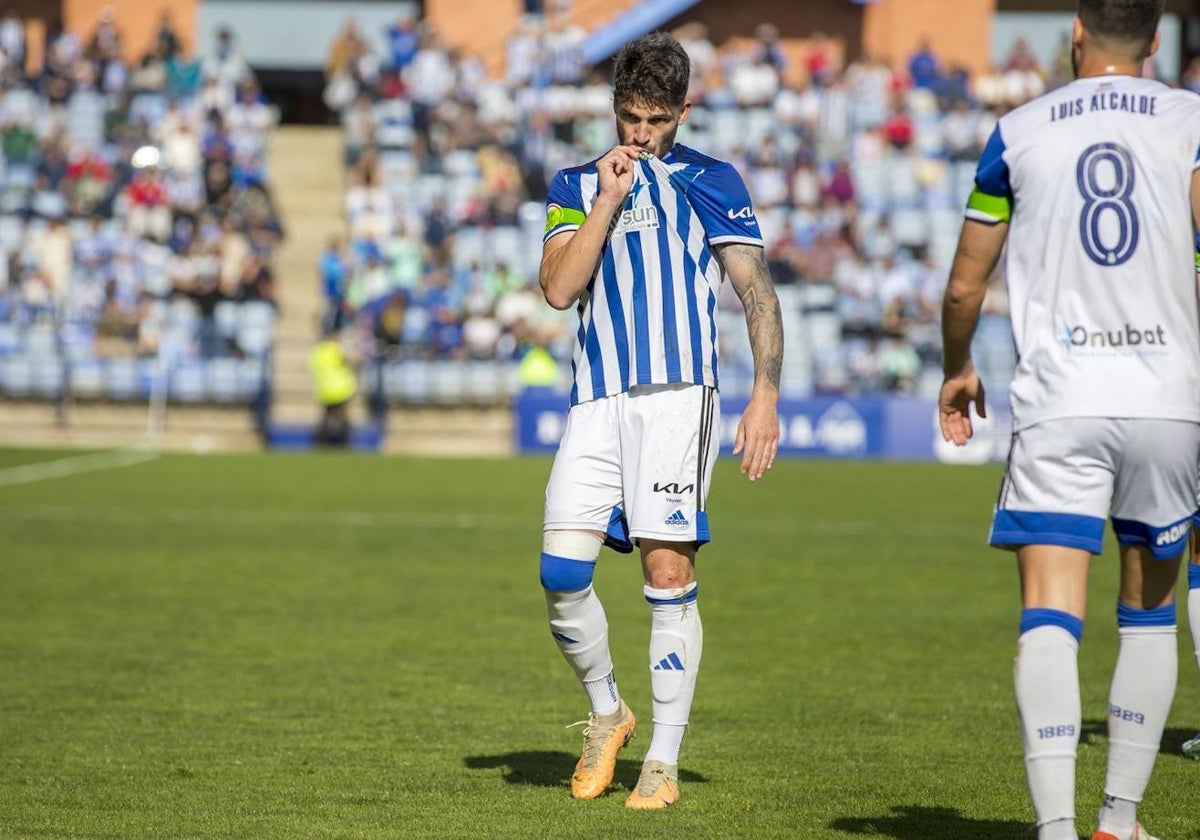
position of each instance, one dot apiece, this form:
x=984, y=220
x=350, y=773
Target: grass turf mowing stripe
x=67, y=467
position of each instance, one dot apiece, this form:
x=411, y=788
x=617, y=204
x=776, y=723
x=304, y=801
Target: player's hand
x=616, y=172
x=954, y=405
x=758, y=435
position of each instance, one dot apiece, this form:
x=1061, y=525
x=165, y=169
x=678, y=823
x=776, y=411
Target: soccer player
x=1096, y=183
x=639, y=241
x=1191, y=748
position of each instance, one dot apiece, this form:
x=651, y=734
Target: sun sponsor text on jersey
x=635, y=219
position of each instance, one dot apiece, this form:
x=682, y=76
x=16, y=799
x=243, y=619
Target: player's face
x=649, y=128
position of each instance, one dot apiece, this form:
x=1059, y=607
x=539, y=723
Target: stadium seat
x=188, y=382
x=469, y=246
x=253, y=374
x=415, y=382
x=122, y=379
x=461, y=163
x=226, y=317
x=10, y=338
x=870, y=187
x=86, y=379
x=447, y=383
x=255, y=329
x=12, y=228
x=504, y=246
x=223, y=380
x=16, y=376
x=48, y=375
x=394, y=136
x=394, y=111
x=484, y=382
x=40, y=340
x=910, y=226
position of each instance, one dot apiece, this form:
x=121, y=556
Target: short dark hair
x=653, y=70
x=1132, y=22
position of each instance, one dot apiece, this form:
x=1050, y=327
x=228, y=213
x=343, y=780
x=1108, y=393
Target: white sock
x=1046, y=678
x=580, y=629
x=676, y=644
x=1118, y=817
x=1058, y=830
x=1143, y=687
x=577, y=620
x=1193, y=607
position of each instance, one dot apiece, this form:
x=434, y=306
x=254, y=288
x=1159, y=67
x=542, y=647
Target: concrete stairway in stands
x=307, y=184
x=308, y=188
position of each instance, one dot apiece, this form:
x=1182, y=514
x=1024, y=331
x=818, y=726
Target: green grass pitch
x=283, y=646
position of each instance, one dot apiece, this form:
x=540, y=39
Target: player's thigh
x=669, y=438
x=1057, y=487
x=1154, y=497
x=585, y=481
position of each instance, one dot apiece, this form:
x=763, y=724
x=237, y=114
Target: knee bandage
x=568, y=560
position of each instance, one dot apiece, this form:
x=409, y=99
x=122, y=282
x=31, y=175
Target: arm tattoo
x=748, y=272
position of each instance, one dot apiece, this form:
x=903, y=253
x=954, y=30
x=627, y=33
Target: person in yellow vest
x=335, y=382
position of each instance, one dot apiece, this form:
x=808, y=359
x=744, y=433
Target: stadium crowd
x=135, y=214
x=858, y=173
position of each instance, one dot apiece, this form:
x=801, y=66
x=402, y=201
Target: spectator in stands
x=849, y=167
x=702, y=55
x=225, y=63
x=403, y=40
x=563, y=44
x=429, y=79
x=923, y=66
x=12, y=40
x=523, y=52
x=334, y=272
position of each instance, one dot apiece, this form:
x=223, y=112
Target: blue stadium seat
x=188, y=382
x=87, y=379
x=16, y=376
x=48, y=375
x=122, y=379
x=10, y=338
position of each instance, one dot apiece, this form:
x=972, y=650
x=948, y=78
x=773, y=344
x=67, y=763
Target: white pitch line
x=64, y=467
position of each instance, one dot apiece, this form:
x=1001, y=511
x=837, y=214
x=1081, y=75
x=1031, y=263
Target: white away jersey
x=1100, y=265
x=648, y=315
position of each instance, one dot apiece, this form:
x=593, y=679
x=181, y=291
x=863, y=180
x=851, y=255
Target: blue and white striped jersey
x=648, y=314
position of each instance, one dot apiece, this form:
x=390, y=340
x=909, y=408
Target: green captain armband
x=988, y=208
x=556, y=215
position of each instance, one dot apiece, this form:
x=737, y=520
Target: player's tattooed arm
x=747, y=269
x=757, y=437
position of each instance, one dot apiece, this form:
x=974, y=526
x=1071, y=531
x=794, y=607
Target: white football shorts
x=1064, y=477
x=637, y=465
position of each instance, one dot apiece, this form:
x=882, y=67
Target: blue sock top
x=1036, y=617
x=1157, y=617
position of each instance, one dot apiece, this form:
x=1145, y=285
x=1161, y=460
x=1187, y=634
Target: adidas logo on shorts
x=677, y=518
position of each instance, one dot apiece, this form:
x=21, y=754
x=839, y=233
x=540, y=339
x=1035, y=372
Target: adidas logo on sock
x=676, y=518
x=670, y=663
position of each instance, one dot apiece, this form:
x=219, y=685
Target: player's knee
x=568, y=560
x=670, y=572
